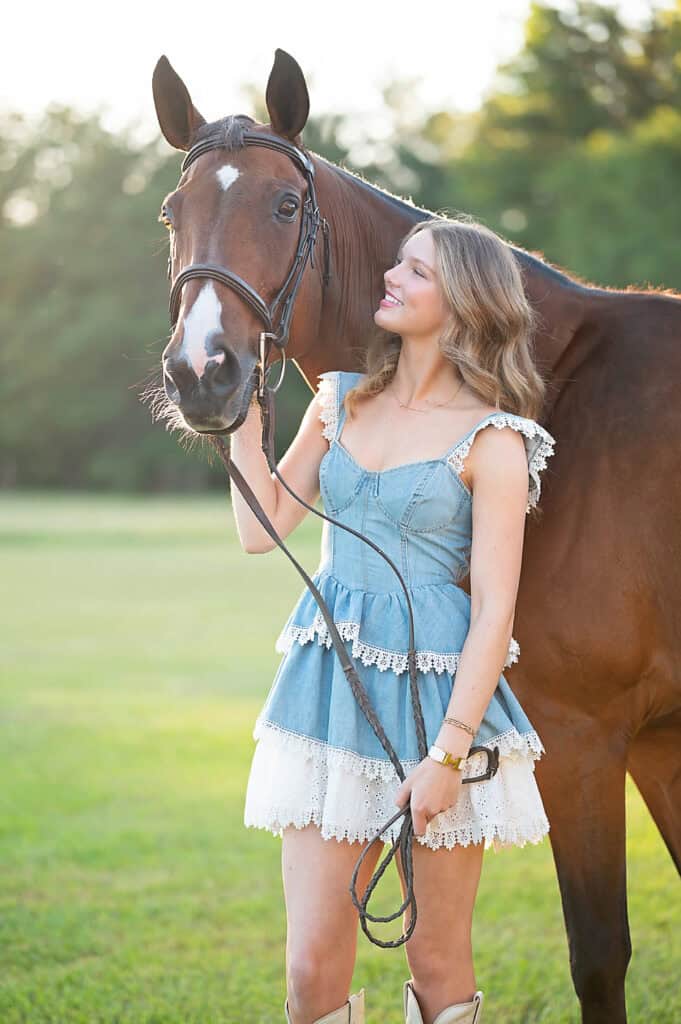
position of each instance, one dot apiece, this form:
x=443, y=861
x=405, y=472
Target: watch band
x=444, y=757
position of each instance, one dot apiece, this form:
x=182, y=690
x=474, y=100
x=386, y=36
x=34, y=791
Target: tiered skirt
x=317, y=759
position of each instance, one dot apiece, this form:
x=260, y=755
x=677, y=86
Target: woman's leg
x=322, y=921
x=439, y=951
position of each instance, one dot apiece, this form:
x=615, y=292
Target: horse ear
x=286, y=96
x=178, y=117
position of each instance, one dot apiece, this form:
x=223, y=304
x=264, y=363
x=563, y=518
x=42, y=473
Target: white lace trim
x=513, y=653
x=328, y=392
x=295, y=780
x=510, y=743
x=369, y=654
x=530, y=428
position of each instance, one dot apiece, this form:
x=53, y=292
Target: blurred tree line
x=575, y=153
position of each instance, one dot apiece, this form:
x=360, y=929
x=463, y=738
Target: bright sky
x=102, y=57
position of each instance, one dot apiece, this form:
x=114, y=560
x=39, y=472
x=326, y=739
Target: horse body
x=599, y=603
x=601, y=680
x=598, y=612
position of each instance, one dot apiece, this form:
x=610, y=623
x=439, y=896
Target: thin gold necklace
x=435, y=405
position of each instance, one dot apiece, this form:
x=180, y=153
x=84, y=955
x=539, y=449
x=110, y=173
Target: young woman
x=401, y=453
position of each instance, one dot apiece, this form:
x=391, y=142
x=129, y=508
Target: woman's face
x=420, y=309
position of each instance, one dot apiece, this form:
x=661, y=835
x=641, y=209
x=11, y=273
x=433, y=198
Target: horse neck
x=366, y=226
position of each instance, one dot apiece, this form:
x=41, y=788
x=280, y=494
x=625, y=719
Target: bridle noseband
x=311, y=220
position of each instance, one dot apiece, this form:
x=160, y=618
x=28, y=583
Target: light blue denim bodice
x=420, y=514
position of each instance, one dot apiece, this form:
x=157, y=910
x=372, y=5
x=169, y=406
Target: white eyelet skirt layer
x=296, y=780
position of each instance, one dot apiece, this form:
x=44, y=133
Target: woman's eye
x=418, y=273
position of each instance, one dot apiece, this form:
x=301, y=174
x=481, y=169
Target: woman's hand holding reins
x=431, y=788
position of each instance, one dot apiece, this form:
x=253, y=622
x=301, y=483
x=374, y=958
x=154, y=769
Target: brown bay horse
x=598, y=612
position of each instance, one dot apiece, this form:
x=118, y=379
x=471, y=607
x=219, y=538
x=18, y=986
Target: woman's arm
x=500, y=483
x=499, y=474
x=299, y=468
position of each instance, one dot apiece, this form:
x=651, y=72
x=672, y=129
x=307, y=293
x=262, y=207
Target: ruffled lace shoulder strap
x=329, y=401
x=539, y=446
x=332, y=389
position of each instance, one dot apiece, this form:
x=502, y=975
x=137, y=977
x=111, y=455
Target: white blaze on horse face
x=201, y=322
x=227, y=175
x=204, y=318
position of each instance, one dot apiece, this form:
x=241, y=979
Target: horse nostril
x=178, y=377
x=216, y=370
x=171, y=389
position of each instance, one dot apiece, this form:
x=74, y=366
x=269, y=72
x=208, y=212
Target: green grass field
x=137, y=649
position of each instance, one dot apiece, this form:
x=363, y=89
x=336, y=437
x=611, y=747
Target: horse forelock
x=228, y=131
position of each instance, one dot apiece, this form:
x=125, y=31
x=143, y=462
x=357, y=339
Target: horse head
x=243, y=222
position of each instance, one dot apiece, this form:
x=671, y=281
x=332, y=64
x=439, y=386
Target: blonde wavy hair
x=489, y=336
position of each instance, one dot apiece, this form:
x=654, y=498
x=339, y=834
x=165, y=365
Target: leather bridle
x=311, y=220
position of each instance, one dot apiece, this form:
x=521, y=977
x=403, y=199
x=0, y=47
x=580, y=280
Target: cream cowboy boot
x=351, y=1012
x=458, y=1013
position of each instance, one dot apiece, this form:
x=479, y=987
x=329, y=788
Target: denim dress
x=317, y=759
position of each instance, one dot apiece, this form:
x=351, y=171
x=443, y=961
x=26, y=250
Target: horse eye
x=288, y=207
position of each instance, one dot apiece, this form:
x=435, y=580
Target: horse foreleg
x=581, y=779
x=654, y=762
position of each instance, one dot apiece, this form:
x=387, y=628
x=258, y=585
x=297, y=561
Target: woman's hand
x=431, y=788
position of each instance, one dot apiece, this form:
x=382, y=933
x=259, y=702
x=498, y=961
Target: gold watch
x=444, y=757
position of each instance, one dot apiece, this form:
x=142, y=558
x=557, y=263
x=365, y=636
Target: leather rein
x=311, y=220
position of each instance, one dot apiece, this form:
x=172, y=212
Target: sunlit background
x=135, y=644
x=496, y=109
x=95, y=58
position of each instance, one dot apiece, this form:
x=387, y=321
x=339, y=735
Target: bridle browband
x=311, y=220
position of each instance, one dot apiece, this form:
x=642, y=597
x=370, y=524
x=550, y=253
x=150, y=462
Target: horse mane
x=532, y=259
